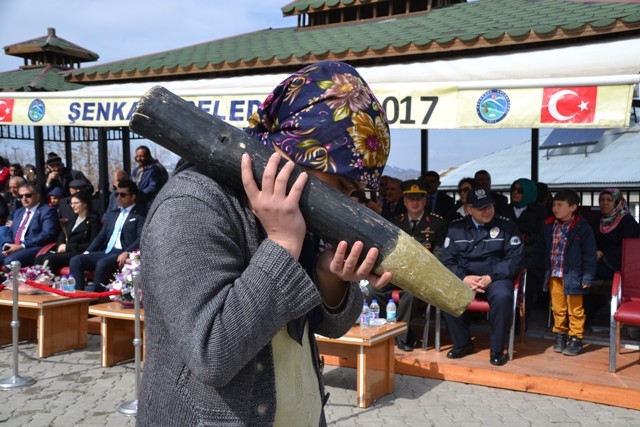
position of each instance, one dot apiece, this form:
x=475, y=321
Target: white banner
x=408, y=106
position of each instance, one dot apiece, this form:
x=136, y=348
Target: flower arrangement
x=35, y=273
x=123, y=280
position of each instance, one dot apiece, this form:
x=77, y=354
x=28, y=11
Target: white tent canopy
x=538, y=88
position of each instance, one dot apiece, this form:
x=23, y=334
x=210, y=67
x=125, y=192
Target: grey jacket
x=215, y=294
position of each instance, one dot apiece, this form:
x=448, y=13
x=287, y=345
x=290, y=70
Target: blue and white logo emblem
x=493, y=106
x=36, y=110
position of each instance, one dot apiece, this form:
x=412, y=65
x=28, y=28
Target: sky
x=122, y=29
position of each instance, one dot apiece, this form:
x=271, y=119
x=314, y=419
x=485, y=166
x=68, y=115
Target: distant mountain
x=403, y=174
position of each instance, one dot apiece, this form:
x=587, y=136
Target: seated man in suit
x=119, y=236
x=438, y=201
x=34, y=225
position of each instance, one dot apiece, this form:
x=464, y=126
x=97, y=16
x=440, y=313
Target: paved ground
x=72, y=389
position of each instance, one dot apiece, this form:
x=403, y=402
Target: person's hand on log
x=335, y=268
x=278, y=212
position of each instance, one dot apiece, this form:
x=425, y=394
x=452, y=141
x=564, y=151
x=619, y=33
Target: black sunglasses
x=517, y=190
x=118, y=194
x=22, y=196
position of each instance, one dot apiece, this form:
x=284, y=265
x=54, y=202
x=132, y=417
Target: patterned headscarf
x=325, y=117
x=610, y=222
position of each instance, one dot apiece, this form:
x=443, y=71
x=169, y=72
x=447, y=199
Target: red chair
x=46, y=248
x=625, y=297
x=482, y=305
x=65, y=271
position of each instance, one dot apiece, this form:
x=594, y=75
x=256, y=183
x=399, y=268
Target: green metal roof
x=465, y=26
x=302, y=6
x=46, y=79
x=51, y=43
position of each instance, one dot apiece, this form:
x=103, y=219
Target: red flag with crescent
x=569, y=104
x=6, y=110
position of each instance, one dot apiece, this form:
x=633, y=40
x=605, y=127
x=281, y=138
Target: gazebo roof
x=50, y=50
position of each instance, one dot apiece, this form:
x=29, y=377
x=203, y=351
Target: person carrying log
x=235, y=286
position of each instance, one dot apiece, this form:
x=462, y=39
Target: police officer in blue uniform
x=429, y=229
x=485, y=251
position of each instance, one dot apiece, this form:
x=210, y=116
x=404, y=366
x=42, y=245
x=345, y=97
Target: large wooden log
x=216, y=147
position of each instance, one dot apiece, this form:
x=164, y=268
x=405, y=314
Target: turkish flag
x=6, y=110
x=569, y=104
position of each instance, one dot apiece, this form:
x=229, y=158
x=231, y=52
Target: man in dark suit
x=119, y=236
x=437, y=201
x=393, y=205
x=501, y=202
x=34, y=225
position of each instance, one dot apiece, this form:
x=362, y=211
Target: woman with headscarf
x=236, y=288
x=615, y=224
x=529, y=216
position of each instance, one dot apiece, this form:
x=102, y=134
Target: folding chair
x=482, y=305
x=625, y=296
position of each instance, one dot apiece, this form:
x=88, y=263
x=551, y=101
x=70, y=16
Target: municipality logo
x=493, y=106
x=36, y=110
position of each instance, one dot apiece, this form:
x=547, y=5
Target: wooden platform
x=536, y=369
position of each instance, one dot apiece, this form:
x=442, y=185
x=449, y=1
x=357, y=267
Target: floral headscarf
x=610, y=222
x=325, y=117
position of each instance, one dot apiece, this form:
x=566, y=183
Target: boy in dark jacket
x=570, y=270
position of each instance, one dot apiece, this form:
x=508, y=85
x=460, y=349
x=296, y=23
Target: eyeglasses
x=23, y=196
x=517, y=190
x=463, y=190
x=118, y=194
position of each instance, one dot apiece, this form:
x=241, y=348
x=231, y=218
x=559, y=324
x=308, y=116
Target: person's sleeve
x=135, y=245
x=100, y=241
x=219, y=304
x=49, y=228
x=631, y=229
x=589, y=255
x=4, y=210
x=155, y=178
x=441, y=234
x=450, y=256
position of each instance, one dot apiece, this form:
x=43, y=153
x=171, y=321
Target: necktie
x=414, y=222
x=115, y=236
x=429, y=204
x=23, y=224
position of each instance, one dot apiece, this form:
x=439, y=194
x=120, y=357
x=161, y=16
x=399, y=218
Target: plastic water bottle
x=365, y=316
x=375, y=310
x=391, y=311
x=64, y=284
x=72, y=283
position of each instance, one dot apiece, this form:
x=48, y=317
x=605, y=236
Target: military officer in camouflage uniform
x=430, y=229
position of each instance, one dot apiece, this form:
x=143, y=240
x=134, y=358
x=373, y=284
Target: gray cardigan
x=215, y=294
